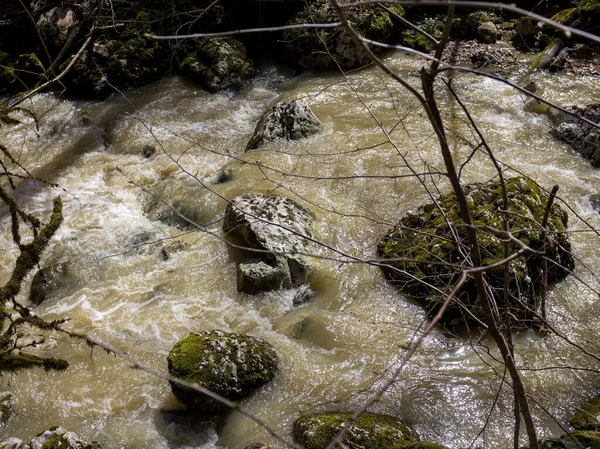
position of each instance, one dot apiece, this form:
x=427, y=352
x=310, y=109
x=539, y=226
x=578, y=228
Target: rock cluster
x=280, y=230
x=55, y=438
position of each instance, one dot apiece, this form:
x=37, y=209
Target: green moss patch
x=369, y=430
x=587, y=417
x=432, y=244
x=228, y=364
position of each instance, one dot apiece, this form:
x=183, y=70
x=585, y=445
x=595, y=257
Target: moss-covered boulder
x=424, y=259
x=116, y=64
x=369, y=430
x=327, y=47
x=281, y=230
x=228, y=364
x=216, y=63
x=588, y=417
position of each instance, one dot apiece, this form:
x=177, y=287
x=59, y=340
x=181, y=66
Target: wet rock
x=303, y=295
x=55, y=438
x=148, y=151
x=332, y=47
x=595, y=201
x=53, y=278
x=58, y=25
x=588, y=417
x=12, y=443
x=216, y=63
x=279, y=228
x=116, y=64
x=583, y=137
x=231, y=365
x=184, y=203
x=7, y=407
x=368, y=430
x=285, y=120
x=260, y=446
x=488, y=32
x=482, y=59
x=424, y=236
x=256, y=275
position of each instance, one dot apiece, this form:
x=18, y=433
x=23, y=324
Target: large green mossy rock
x=328, y=47
x=587, y=418
x=588, y=438
x=369, y=430
x=228, y=364
x=423, y=257
x=216, y=63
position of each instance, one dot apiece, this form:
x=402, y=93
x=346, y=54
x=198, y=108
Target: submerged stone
x=280, y=229
x=285, y=120
x=231, y=365
x=369, y=430
x=53, y=278
x=182, y=202
x=432, y=261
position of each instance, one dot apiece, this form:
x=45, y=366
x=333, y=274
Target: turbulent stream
x=336, y=349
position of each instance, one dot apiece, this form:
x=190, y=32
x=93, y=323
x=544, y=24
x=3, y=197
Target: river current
x=335, y=350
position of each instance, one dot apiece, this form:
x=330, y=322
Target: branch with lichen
x=17, y=323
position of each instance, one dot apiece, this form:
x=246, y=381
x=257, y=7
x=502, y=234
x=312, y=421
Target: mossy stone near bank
x=326, y=48
x=216, y=63
x=431, y=260
x=231, y=365
x=369, y=430
x=587, y=417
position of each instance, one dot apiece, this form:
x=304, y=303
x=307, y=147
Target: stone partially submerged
x=291, y=120
x=280, y=229
x=369, y=430
x=425, y=261
x=582, y=136
x=54, y=438
x=231, y=365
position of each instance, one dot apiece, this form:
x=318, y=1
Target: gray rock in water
x=7, y=407
x=51, y=279
x=12, y=443
x=583, y=137
x=488, y=32
x=279, y=228
x=285, y=120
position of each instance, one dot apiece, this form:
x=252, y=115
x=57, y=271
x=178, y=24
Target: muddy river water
x=336, y=349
